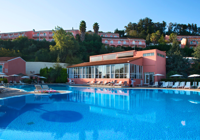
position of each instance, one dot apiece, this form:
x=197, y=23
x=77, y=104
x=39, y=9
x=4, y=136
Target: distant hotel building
x=193, y=40
x=111, y=39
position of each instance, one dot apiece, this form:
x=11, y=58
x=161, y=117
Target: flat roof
x=106, y=62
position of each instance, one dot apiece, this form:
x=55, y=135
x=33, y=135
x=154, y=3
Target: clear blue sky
x=22, y=15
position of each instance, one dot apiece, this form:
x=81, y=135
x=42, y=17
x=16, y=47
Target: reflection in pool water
x=90, y=113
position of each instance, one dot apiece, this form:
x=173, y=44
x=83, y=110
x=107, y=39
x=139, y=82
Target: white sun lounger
x=118, y=84
x=187, y=85
x=194, y=84
x=182, y=85
x=170, y=84
x=175, y=85
x=165, y=85
x=198, y=85
x=155, y=85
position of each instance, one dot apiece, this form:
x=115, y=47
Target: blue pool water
x=92, y=114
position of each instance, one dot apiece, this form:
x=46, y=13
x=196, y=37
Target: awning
x=106, y=62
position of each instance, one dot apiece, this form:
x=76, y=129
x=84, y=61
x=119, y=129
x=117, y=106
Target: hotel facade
x=111, y=39
x=193, y=40
x=121, y=66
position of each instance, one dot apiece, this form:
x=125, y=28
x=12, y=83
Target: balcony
x=51, y=40
x=42, y=35
x=50, y=35
x=15, y=35
x=35, y=35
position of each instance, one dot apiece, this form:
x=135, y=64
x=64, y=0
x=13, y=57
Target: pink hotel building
x=121, y=66
x=193, y=40
x=111, y=39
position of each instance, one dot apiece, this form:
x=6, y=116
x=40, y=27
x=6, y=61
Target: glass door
x=148, y=77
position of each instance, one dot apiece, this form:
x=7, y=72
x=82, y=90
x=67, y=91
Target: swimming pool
x=29, y=88
x=101, y=113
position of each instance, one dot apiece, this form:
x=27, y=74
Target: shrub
x=4, y=80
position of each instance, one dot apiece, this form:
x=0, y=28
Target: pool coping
x=196, y=90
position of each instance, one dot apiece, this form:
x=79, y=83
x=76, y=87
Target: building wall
x=115, y=42
x=34, y=67
x=15, y=66
x=193, y=41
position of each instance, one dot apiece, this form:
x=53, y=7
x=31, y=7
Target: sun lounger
x=125, y=83
x=97, y=83
x=163, y=82
x=194, y=84
x=38, y=88
x=46, y=87
x=21, y=83
x=14, y=82
x=42, y=82
x=118, y=84
x=170, y=84
x=105, y=83
x=90, y=82
x=187, y=85
x=175, y=85
x=155, y=85
x=165, y=85
x=198, y=85
x=182, y=85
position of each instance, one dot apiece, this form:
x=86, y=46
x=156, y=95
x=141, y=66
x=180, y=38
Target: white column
x=129, y=74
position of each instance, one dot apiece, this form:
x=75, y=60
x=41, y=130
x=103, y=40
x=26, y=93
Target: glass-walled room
x=126, y=70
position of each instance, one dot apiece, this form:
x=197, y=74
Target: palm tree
x=82, y=29
x=96, y=28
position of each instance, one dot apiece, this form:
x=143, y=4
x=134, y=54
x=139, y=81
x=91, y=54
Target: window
x=111, y=36
x=148, y=54
x=136, y=71
x=1, y=68
x=124, y=42
x=0, y=36
x=111, y=42
x=105, y=35
x=38, y=39
x=44, y=34
x=106, y=41
x=191, y=42
x=37, y=34
x=119, y=42
x=140, y=43
x=115, y=36
x=133, y=42
x=102, y=35
x=161, y=55
x=196, y=41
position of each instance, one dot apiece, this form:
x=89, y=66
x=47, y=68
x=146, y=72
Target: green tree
x=82, y=29
x=66, y=45
x=161, y=40
x=96, y=28
x=153, y=38
x=196, y=53
x=133, y=33
x=172, y=36
x=175, y=60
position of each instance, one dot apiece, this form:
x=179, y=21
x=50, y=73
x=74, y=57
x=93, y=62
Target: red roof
x=106, y=62
x=6, y=58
